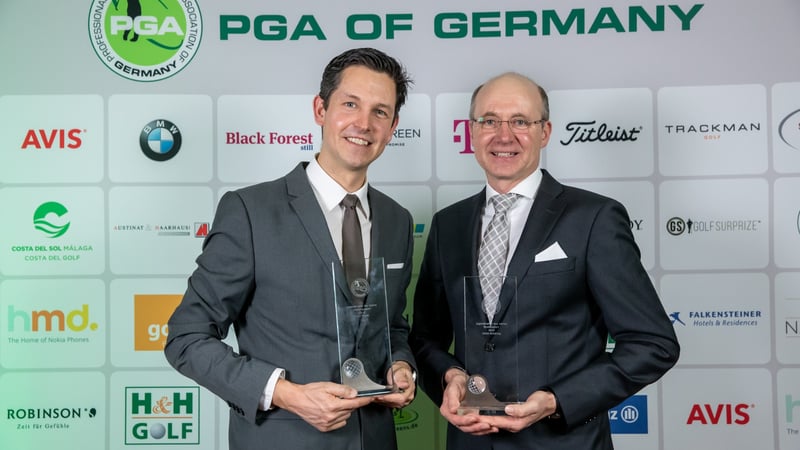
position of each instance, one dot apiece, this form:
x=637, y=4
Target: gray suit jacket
x=565, y=310
x=266, y=269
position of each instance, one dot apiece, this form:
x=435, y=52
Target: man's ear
x=319, y=110
x=547, y=131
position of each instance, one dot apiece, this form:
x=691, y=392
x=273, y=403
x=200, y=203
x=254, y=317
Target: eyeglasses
x=519, y=124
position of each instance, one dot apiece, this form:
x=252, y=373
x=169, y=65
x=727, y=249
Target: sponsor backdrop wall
x=118, y=135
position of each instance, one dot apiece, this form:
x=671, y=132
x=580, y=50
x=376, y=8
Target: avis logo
x=719, y=414
x=56, y=139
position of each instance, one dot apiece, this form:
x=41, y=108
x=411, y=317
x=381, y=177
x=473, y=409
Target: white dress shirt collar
x=329, y=192
x=526, y=188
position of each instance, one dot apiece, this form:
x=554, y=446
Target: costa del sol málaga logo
x=49, y=219
x=145, y=40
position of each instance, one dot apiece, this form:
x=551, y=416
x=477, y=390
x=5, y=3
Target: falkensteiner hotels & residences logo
x=145, y=41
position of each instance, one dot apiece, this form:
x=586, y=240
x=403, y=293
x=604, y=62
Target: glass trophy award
x=362, y=324
x=491, y=356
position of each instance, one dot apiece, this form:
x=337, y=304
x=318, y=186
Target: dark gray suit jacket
x=266, y=269
x=565, y=310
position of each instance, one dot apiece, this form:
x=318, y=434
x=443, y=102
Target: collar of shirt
x=518, y=214
x=526, y=188
x=329, y=193
x=329, y=196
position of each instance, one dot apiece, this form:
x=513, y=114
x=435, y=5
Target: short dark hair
x=372, y=59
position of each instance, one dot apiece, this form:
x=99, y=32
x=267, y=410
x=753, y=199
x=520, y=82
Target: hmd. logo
x=53, y=321
x=792, y=406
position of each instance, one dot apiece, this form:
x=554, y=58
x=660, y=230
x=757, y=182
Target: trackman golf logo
x=145, y=40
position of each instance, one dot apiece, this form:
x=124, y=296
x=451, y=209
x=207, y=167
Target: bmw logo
x=160, y=140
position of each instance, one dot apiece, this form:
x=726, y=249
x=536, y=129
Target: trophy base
x=484, y=410
x=375, y=392
x=464, y=410
x=353, y=375
x=479, y=399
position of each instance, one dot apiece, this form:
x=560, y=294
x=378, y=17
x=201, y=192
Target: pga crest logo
x=145, y=40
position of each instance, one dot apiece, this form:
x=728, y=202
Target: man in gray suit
x=266, y=269
x=578, y=279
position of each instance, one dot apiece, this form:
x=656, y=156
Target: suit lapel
x=473, y=220
x=305, y=205
x=547, y=208
x=378, y=221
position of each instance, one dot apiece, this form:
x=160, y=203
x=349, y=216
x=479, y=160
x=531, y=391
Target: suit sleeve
x=646, y=345
x=432, y=327
x=217, y=292
x=398, y=323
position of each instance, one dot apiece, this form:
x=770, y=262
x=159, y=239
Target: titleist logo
x=588, y=132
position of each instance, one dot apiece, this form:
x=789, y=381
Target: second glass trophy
x=362, y=324
x=491, y=356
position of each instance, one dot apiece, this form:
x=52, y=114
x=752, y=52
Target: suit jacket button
x=488, y=347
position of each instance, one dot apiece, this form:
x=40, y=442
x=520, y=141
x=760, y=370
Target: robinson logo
x=145, y=41
x=51, y=419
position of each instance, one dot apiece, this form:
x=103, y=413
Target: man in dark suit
x=267, y=267
x=578, y=279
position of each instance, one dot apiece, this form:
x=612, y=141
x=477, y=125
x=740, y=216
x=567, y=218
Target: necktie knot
x=502, y=202
x=350, y=201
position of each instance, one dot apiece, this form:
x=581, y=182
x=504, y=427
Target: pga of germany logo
x=145, y=40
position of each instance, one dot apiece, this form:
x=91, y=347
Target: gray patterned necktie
x=493, y=252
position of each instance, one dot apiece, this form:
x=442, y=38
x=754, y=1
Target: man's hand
x=455, y=389
x=538, y=406
x=324, y=405
x=403, y=378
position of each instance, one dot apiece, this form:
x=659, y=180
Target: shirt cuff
x=265, y=404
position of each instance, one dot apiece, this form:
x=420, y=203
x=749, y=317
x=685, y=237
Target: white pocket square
x=550, y=253
x=394, y=266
